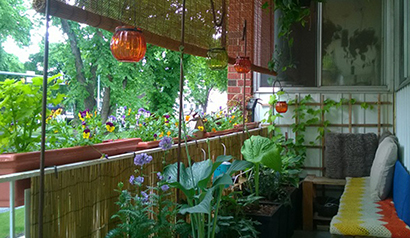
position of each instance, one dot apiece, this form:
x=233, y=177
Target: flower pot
x=19, y=162
x=273, y=219
x=219, y=133
x=249, y=125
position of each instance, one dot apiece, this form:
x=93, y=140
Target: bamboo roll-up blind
x=160, y=21
x=80, y=202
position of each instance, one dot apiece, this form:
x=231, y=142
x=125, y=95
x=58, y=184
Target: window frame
x=387, y=61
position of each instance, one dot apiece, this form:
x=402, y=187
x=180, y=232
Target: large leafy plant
x=260, y=150
x=203, y=195
x=21, y=112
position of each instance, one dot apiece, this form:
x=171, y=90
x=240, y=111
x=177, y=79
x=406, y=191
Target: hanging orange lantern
x=128, y=44
x=281, y=106
x=242, y=64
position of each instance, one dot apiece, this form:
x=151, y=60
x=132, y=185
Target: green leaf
x=261, y=150
x=238, y=165
x=203, y=207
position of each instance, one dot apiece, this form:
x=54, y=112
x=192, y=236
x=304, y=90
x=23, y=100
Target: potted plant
x=222, y=122
x=20, y=133
x=203, y=195
x=263, y=152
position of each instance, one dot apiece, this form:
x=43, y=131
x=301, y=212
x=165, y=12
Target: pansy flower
x=58, y=111
x=201, y=128
x=110, y=126
x=86, y=133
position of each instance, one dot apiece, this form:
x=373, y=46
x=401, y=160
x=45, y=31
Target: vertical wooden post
x=296, y=116
x=308, y=195
x=379, y=114
x=322, y=105
x=350, y=113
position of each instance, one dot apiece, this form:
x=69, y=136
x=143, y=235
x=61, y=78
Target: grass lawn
x=4, y=222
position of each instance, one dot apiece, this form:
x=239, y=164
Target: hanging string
x=216, y=23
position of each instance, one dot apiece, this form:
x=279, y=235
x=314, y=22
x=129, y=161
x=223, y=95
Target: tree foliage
x=201, y=81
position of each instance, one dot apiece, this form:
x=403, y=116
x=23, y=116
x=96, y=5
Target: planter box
x=249, y=125
x=220, y=133
x=273, y=225
x=19, y=162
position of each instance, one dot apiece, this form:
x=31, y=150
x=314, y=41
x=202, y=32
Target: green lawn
x=4, y=222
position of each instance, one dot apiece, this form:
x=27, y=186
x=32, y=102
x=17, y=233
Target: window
x=340, y=45
x=351, y=43
x=404, y=36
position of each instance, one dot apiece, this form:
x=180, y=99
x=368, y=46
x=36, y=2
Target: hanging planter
x=128, y=44
x=217, y=58
x=242, y=64
x=281, y=106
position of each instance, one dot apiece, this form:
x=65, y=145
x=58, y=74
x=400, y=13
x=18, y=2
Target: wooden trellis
x=350, y=125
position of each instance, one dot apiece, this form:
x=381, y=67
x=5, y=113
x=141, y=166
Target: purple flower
x=109, y=124
x=132, y=178
x=139, y=179
x=141, y=159
x=167, y=116
x=166, y=143
x=86, y=130
x=159, y=176
x=112, y=118
x=125, y=107
x=142, y=110
x=145, y=197
x=84, y=113
x=155, y=135
x=164, y=187
x=123, y=116
x=166, y=121
x=83, y=123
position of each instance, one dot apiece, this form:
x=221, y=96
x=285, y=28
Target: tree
x=14, y=24
x=151, y=83
x=202, y=80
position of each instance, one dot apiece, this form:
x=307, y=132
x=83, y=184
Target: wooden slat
x=322, y=117
x=341, y=125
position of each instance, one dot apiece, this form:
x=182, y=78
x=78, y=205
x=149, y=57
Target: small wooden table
x=309, y=193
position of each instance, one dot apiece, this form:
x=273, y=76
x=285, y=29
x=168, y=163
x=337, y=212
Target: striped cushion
x=358, y=215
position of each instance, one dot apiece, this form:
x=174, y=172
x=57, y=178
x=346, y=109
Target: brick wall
x=259, y=41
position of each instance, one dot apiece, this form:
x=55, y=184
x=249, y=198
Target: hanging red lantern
x=128, y=44
x=242, y=64
x=281, y=106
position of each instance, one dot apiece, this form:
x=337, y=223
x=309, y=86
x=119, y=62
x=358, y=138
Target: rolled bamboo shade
x=160, y=20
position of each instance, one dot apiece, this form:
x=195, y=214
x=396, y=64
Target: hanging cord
x=216, y=23
x=244, y=38
x=43, y=123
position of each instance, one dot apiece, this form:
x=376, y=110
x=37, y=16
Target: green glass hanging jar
x=217, y=58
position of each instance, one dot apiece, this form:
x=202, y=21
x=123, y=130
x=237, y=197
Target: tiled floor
x=311, y=234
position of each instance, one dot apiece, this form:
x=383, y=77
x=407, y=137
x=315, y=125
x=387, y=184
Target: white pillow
x=381, y=173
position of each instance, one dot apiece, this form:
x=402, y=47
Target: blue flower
x=139, y=179
x=159, y=176
x=164, y=187
x=132, y=178
x=145, y=197
x=142, y=159
x=166, y=143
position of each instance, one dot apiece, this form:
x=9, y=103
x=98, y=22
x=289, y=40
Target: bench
x=360, y=216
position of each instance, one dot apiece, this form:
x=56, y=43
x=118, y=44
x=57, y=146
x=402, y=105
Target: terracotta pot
x=249, y=125
x=220, y=133
x=19, y=162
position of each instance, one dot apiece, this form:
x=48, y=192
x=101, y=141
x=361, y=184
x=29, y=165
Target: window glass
x=352, y=43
